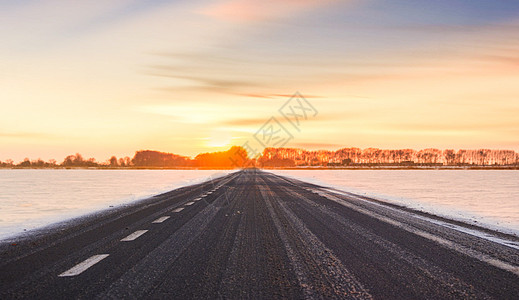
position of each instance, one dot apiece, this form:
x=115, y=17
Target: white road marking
x=190, y=203
x=81, y=267
x=199, y=198
x=178, y=209
x=134, y=235
x=161, y=219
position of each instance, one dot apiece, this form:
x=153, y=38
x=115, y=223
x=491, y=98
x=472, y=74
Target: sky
x=112, y=77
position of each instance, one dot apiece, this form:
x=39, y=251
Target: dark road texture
x=252, y=234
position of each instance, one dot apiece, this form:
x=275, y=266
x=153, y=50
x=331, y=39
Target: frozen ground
x=31, y=199
x=489, y=198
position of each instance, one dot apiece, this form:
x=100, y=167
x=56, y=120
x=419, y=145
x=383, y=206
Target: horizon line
x=232, y=146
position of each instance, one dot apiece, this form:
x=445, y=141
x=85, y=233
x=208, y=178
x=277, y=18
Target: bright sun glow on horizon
x=113, y=77
x=219, y=139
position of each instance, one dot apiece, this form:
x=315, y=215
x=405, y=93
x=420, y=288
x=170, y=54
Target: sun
x=219, y=138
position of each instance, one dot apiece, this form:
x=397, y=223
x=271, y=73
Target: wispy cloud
x=211, y=72
x=317, y=146
x=246, y=122
x=118, y=13
x=24, y=135
x=196, y=113
x=260, y=121
x=257, y=10
x=276, y=96
x=204, y=82
x=505, y=59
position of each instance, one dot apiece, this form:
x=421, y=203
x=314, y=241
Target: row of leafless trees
x=75, y=160
x=232, y=158
x=348, y=156
x=237, y=157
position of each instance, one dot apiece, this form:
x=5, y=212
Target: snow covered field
x=34, y=198
x=489, y=198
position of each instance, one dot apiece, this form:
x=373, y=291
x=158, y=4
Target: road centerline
x=134, y=235
x=161, y=219
x=83, y=266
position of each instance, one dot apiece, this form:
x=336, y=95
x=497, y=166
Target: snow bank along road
x=252, y=234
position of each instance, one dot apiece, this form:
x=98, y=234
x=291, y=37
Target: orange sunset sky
x=111, y=77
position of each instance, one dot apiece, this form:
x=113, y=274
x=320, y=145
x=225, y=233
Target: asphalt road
x=252, y=234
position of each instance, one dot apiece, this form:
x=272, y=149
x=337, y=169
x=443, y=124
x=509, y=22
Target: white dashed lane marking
x=161, y=219
x=199, y=198
x=178, y=209
x=134, y=235
x=81, y=267
x=190, y=203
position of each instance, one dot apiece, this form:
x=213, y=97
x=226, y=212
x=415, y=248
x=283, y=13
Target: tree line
x=237, y=157
x=399, y=157
x=71, y=161
x=234, y=157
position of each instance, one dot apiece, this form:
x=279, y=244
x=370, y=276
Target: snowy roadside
x=452, y=211
x=34, y=199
